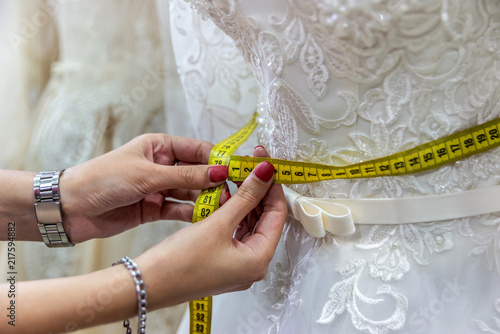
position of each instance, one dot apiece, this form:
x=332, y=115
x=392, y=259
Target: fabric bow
x=319, y=215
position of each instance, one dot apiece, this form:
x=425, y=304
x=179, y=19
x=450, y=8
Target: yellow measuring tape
x=200, y=310
x=434, y=154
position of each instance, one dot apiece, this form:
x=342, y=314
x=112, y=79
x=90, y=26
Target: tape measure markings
x=200, y=310
x=418, y=159
x=200, y=315
x=221, y=153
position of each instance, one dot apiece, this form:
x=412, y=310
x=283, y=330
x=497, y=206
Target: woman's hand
x=200, y=260
x=208, y=257
x=128, y=186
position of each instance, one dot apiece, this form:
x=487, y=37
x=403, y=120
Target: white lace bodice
x=347, y=81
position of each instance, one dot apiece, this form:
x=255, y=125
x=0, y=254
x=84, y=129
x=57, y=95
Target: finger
x=248, y=196
x=182, y=194
x=225, y=195
x=260, y=151
x=190, y=150
x=252, y=219
x=177, y=211
x=267, y=231
x=241, y=231
x=184, y=163
x=166, y=150
x=185, y=177
x=154, y=207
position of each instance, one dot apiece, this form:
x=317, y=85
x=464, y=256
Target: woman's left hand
x=129, y=186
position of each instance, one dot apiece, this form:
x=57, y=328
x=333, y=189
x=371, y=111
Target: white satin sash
x=338, y=216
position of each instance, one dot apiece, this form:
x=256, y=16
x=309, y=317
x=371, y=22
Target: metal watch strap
x=48, y=209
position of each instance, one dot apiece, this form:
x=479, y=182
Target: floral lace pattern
x=218, y=84
x=346, y=81
x=487, y=329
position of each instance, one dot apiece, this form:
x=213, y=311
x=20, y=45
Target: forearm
x=71, y=303
x=17, y=205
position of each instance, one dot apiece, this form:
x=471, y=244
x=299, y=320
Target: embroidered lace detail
x=485, y=234
x=282, y=285
x=217, y=81
x=346, y=81
x=391, y=245
x=487, y=329
x=343, y=297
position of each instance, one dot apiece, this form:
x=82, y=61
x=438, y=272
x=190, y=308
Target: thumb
x=249, y=194
x=187, y=177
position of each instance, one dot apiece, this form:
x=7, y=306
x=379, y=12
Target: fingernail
x=218, y=173
x=264, y=171
x=259, y=146
x=228, y=194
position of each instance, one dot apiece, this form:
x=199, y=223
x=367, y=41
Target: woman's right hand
x=208, y=258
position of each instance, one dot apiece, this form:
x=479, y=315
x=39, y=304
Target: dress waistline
x=338, y=216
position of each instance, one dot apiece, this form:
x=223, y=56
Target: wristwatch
x=48, y=209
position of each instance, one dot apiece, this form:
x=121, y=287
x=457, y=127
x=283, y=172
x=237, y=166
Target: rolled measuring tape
x=431, y=155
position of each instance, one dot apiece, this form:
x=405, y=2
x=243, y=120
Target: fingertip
x=264, y=171
x=218, y=173
x=260, y=151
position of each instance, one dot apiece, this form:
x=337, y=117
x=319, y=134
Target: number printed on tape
x=418, y=159
x=421, y=158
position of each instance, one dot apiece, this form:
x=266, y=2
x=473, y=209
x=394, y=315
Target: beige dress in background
x=77, y=79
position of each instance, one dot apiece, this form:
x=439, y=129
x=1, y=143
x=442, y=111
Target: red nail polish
x=264, y=171
x=218, y=173
x=259, y=146
x=228, y=196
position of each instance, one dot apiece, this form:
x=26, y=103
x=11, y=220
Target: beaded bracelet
x=140, y=287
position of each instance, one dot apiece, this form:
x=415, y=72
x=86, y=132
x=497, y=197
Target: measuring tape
x=200, y=310
x=431, y=155
x=434, y=154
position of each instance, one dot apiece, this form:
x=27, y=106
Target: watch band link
x=48, y=209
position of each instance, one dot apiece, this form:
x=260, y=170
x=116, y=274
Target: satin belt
x=338, y=216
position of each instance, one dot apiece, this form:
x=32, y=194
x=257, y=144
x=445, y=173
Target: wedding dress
x=335, y=82
x=341, y=82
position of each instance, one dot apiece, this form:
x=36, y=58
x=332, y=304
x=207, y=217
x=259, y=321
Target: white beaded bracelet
x=140, y=287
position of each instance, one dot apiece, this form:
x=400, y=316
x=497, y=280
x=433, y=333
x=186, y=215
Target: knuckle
x=187, y=175
x=146, y=137
x=201, y=152
x=249, y=194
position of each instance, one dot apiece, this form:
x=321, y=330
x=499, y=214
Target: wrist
x=168, y=276
x=68, y=188
x=18, y=202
